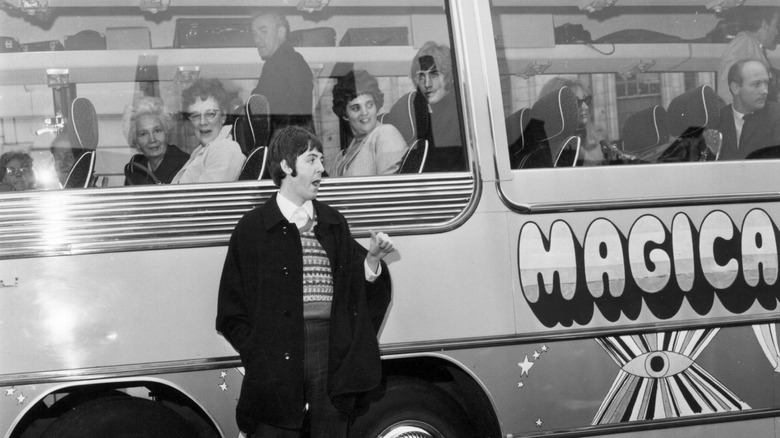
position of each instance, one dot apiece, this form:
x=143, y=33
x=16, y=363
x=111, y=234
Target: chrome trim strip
x=403, y=348
x=660, y=424
x=119, y=371
x=623, y=204
x=87, y=221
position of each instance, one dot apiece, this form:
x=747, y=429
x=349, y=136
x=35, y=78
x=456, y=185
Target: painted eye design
x=659, y=378
x=658, y=364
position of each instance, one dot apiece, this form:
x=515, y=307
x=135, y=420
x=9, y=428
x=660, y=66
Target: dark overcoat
x=260, y=312
x=761, y=130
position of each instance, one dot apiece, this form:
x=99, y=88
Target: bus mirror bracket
x=719, y=6
x=154, y=6
x=635, y=68
x=534, y=68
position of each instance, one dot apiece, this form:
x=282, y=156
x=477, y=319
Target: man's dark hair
x=735, y=71
x=279, y=19
x=751, y=18
x=287, y=144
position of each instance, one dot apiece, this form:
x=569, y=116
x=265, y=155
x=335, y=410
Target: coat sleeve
x=232, y=310
x=378, y=292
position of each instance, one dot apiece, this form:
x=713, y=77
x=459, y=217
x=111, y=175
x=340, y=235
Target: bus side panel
x=61, y=312
x=545, y=387
x=666, y=266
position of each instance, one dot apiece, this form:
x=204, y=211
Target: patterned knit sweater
x=317, y=276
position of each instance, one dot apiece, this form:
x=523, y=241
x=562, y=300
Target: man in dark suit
x=286, y=80
x=751, y=122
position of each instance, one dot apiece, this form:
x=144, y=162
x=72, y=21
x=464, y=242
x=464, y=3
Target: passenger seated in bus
x=759, y=35
x=18, y=171
x=217, y=157
x=147, y=127
x=64, y=156
x=431, y=72
x=376, y=148
x=592, y=135
x=751, y=122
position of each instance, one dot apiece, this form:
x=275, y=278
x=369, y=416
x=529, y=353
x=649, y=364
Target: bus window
x=588, y=89
x=276, y=66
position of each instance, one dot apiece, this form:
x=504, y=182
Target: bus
x=558, y=273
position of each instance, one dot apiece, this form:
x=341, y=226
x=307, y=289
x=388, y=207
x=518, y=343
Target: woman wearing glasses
x=17, y=170
x=591, y=134
x=217, y=157
x=147, y=128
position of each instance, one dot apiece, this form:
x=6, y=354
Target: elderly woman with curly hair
x=16, y=171
x=147, y=126
x=376, y=149
x=217, y=157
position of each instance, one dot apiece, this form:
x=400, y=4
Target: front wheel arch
x=413, y=405
x=64, y=399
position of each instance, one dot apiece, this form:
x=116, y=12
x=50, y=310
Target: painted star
x=544, y=349
x=520, y=384
x=21, y=399
x=9, y=391
x=536, y=355
x=525, y=366
x=224, y=386
x=539, y=422
x=222, y=374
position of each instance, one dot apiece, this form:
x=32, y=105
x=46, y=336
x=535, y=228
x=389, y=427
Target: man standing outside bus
x=302, y=302
x=286, y=80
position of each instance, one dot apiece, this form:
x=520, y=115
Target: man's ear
x=733, y=87
x=285, y=167
x=281, y=33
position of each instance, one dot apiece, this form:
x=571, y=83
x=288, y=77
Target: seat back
x=82, y=173
x=693, y=111
x=254, y=167
x=84, y=132
x=414, y=121
x=569, y=153
x=414, y=160
x=690, y=114
x=242, y=134
x=516, y=124
x=252, y=124
x=645, y=129
x=553, y=120
x=258, y=113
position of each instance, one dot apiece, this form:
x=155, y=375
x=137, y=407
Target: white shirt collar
x=737, y=114
x=288, y=207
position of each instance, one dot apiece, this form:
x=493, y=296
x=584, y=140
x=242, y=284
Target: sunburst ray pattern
x=659, y=378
